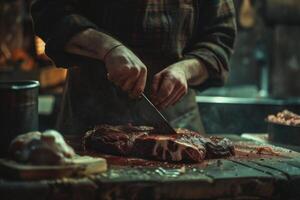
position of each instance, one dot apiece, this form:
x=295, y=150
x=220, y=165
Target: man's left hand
x=169, y=85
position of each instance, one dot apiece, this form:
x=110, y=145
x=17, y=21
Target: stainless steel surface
x=251, y=100
x=239, y=115
x=152, y=116
x=284, y=134
x=19, y=85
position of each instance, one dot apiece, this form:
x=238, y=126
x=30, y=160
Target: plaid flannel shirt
x=207, y=32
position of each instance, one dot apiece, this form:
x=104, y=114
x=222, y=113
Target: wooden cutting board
x=81, y=165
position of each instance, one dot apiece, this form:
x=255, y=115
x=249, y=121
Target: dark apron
x=159, y=33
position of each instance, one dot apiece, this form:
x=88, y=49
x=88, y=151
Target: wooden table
x=246, y=176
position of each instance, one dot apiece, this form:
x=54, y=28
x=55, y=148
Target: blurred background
x=264, y=78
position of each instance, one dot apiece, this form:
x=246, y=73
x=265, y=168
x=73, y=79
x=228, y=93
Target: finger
x=155, y=85
x=113, y=78
x=164, y=91
x=119, y=78
x=178, y=89
x=178, y=97
x=129, y=84
x=120, y=81
x=175, y=93
x=140, y=84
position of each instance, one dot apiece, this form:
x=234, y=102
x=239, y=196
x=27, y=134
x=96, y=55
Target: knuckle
x=156, y=76
x=127, y=67
x=173, y=79
x=122, y=58
x=168, y=75
x=135, y=69
x=143, y=69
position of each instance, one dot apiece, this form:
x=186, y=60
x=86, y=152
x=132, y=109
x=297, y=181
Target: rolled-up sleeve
x=56, y=21
x=214, y=40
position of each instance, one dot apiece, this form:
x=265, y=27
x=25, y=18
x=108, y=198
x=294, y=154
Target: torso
x=157, y=31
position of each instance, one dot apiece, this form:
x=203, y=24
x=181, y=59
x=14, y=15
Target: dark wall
x=268, y=35
x=241, y=117
x=251, y=38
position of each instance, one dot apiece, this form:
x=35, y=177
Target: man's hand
x=126, y=70
x=171, y=84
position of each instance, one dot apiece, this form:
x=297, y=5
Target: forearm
x=91, y=43
x=195, y=71
x=214, y=41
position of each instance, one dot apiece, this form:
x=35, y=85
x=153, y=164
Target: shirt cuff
x=216, y=75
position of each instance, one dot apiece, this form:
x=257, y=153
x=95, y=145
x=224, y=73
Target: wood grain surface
x=79, y=166
x=251, y=174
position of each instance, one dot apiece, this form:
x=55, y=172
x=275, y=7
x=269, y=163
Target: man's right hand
x=126, y=70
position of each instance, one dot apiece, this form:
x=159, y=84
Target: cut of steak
x=168, y=148
x=218, y=147
x=145, y=142
x=117, y=140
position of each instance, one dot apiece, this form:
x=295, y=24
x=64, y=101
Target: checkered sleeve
x=214, y=40
x=56, y=21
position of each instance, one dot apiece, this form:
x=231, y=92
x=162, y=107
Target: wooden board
x=81, y=165
x=220, y=178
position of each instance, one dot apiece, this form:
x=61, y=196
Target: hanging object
x=247, y=14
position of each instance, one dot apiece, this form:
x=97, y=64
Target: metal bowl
x=284, y=134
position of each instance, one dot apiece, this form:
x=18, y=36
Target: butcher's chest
x=256, y=172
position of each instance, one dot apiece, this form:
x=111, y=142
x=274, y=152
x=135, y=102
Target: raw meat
x=285, y=118
x=145, y=142
x=36, y=148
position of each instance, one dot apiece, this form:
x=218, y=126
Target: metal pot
x=284, y=134
x=18, y=110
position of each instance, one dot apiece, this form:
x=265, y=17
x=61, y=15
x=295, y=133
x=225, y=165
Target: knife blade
x=152, y=116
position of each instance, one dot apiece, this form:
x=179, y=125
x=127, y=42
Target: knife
x=151, y=115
